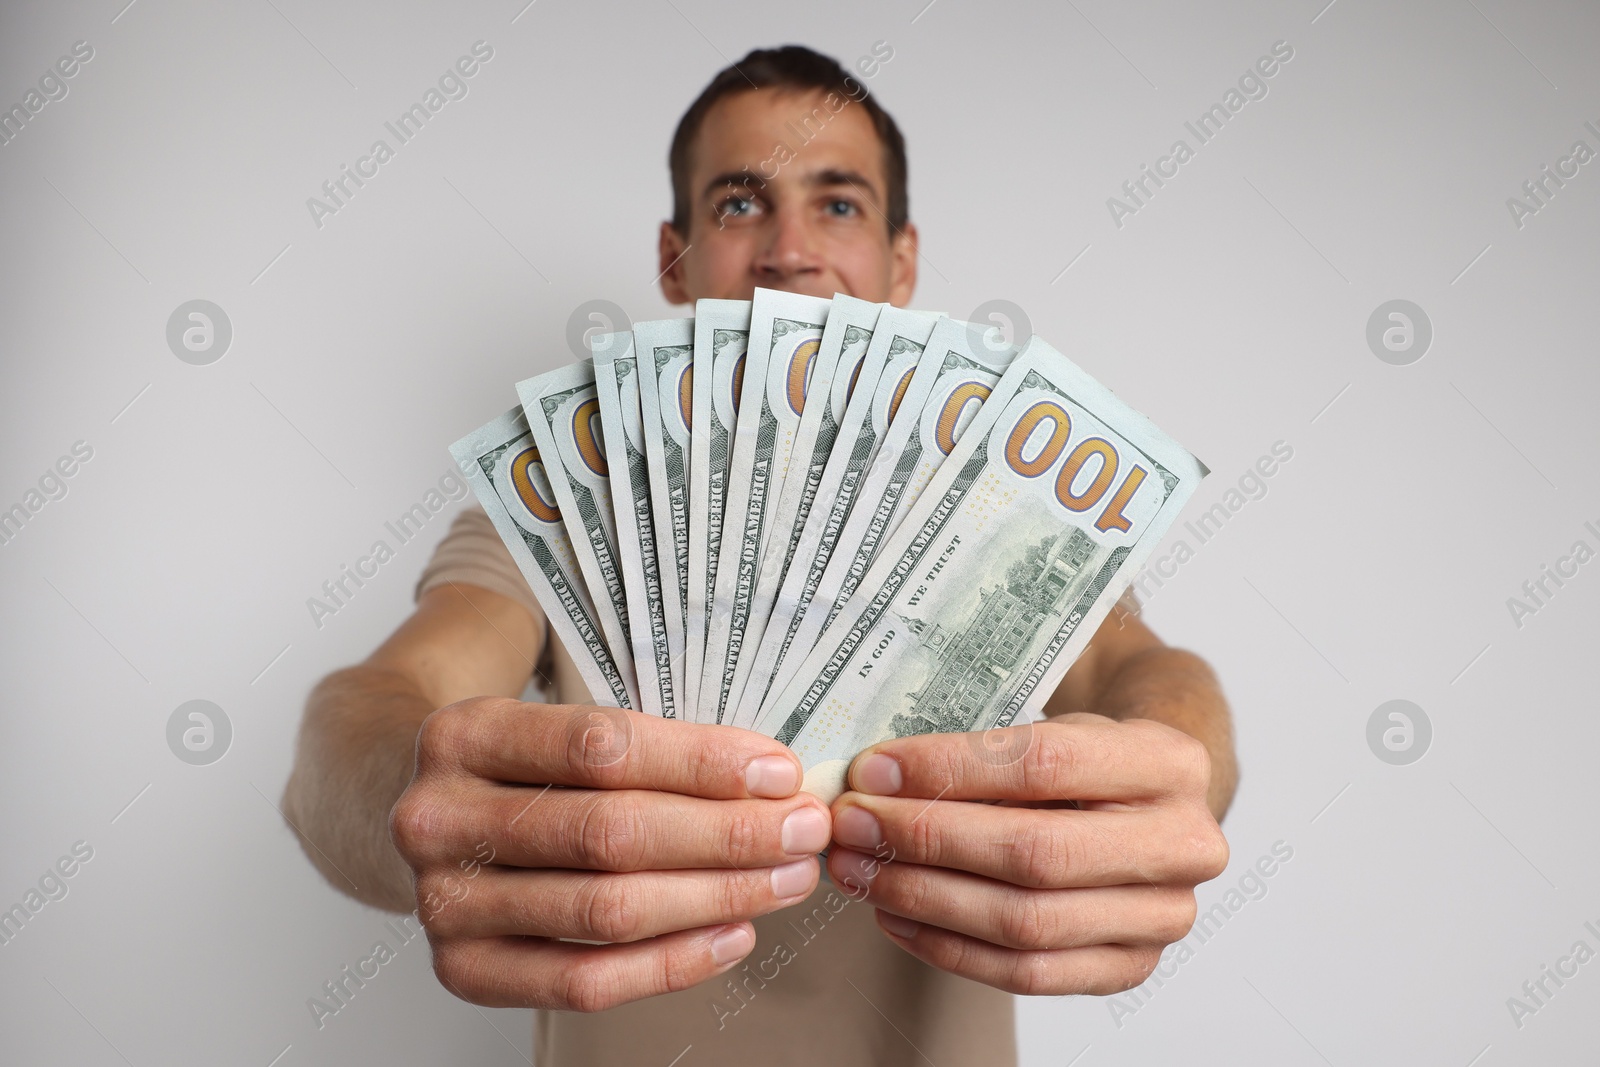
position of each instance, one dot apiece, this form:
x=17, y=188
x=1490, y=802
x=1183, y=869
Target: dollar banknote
x=655, y=652
x=785, y=336
x=721, y=336
x=665, y=349
x=807, y=594
x=834, y=371
x=954, y=374
x=508, y=476
x=998, y=576
x=563, y=412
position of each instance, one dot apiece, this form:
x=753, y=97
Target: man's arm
x=358, y=739
x=1127, y=672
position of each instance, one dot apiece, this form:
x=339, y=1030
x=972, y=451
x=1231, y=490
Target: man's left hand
x=1073, y=882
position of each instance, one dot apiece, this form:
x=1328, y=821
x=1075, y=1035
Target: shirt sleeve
x=472, y=552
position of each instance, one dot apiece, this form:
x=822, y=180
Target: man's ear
x=903, y=265
x=669, y=262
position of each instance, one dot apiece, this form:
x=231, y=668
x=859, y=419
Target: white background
x=1231, y=308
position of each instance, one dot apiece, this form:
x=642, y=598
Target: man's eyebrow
x=736, y=179
x=744, y=179
x=837, y=176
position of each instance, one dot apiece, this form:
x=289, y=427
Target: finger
x=519, y=972
x=1012, y=916
x=1096, y=759
x=604, y=748
x=1096, y=970
x=604, y=829
x=1043, y=848
x=610, y=907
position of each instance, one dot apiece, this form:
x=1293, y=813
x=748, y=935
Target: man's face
x=806, y=218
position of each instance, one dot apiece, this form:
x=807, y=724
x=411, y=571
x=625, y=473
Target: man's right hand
x=660, y=838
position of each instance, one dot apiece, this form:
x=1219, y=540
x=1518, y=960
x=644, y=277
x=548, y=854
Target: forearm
x=1177, y=688
x=1174, y=687
x=355, y=756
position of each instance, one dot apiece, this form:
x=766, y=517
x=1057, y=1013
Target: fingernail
x=771, y=776
x=858, y=828
x=805, y=831
x=732, y=945
x=792, y=879
x=898, y=925
x=879, y=774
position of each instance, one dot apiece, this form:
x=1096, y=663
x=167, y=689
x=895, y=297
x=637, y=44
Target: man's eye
x=841, y=208
x=735, y=207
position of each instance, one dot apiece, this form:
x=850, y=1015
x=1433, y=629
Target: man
x=685, y=854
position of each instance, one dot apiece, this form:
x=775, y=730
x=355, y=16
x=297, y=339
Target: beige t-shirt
x=822, y=985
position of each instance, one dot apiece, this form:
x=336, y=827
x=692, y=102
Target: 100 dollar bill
x=721, y=336
x=563, y=412
x=832, y=378
x=955, y=374
x=998, y=576
x=785, y=336
x=507, y=473
x=665, y=349
x=655, y=652
x=806, y=597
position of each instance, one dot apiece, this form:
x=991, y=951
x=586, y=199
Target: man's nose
x=790, y=248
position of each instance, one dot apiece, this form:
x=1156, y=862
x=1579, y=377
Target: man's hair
x=794, y=68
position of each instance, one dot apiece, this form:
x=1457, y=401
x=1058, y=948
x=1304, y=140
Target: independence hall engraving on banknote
x=977, y=655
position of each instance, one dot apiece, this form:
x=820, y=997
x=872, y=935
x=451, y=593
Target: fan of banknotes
x=832, y=521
